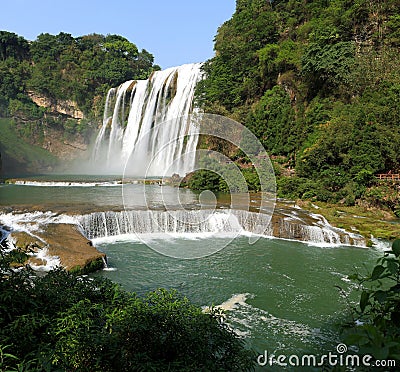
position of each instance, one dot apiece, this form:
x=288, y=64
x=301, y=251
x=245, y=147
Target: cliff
x=64, y=107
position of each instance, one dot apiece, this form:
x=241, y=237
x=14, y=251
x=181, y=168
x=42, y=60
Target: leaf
x=395, y=288
x=377, y=272
x=364, y=300
x=380, y=352
x=396, y=247
x=380, y=296
x=393, y=266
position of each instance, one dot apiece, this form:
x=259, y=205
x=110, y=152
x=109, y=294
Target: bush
x=378, y=312
x=384, y=196
x=62, y=321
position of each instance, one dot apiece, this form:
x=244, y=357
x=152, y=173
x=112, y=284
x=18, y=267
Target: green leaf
x=380, y=352
x=393, y=266
x=396, y=247
x=377, y=272
x=354, y=276
x=364, y=300
x=380, y=296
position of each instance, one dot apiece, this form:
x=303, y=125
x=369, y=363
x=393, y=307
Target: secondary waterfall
x=317, y=231
x=146, y=122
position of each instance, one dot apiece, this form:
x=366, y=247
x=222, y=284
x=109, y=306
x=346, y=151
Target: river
x=282, y=295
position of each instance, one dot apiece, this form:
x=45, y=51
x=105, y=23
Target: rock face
x=66, y=107
x=74, y=251
x=56, y=143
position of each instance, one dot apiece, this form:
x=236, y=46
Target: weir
x=146, y=123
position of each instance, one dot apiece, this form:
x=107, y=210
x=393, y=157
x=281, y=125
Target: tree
x=378, y=313
x=13, y=46
x=61, y=321
x=272, y=120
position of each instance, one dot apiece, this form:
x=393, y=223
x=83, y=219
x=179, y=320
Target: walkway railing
x=388, y=177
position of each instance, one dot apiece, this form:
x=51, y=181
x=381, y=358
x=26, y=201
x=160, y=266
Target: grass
x=18, y=156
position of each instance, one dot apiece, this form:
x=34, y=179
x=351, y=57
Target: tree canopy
x=318, y=83
x=62, y=67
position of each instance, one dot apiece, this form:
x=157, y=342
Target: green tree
x=378, y=313
x=273, y=121
x=61, y=321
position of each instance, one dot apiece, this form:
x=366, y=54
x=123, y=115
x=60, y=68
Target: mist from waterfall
x=146, y=123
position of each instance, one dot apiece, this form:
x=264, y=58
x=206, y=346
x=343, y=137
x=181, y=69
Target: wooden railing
x=388, y=177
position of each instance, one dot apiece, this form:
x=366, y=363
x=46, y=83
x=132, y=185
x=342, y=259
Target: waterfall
x=137, y=222
x=146, y=122
x=315, y=229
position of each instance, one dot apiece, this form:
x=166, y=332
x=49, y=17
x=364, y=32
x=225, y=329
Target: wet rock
x=76, y=253
x=65, y=241
x=26, y=242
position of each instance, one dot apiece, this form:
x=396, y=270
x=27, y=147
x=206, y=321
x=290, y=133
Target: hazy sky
x=174, y=31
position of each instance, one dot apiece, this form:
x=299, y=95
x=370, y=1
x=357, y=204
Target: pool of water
x=281, y=295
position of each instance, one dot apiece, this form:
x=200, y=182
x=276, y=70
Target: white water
x=32, y=222
x=203, y=222
x=146, y=131
x=65, y=183
x=156, y=225
x=49, y=262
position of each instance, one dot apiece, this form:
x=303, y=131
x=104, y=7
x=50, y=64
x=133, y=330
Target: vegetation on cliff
x=61, y=67
x=58, y=81
x=318, y=82
x=64, y=322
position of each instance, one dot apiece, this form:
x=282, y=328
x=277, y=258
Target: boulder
x=65, y=241
x=76, y=253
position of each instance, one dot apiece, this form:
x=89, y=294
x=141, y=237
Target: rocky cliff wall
x=66, y=107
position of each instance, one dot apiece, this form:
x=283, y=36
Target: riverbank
x=372, y=223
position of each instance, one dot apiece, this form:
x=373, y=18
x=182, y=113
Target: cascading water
x=107, y=224
x=146, y=122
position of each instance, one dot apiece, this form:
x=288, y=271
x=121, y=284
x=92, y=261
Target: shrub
x=62, y=321
x=378, y=313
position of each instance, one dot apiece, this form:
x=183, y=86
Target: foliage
x=326, y=67
x=272, y=121
x=378, y=315
x=384, y=196
x=18, y=155
x=62, y=67
x=318, y=83
x=61, y=321
x=233, y=73
x=204, y=179
x=226, y=179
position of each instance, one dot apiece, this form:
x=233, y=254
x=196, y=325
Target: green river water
x=281, y=295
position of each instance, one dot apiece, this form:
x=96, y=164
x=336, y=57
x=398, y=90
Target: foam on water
x=66, y=183
x=51, y=261
x=233, y=302
x=244, y=318
x=33, y=221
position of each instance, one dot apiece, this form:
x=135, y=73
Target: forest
x=318, y=82
x=63, y=68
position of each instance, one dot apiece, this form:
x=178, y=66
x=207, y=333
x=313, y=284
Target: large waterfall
x=146, y=122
